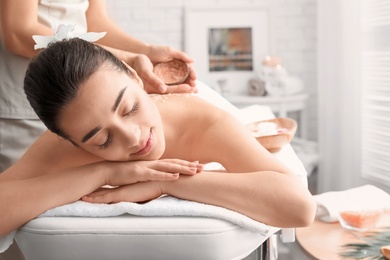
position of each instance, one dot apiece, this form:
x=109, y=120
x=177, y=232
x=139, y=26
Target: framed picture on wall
x=227, y=44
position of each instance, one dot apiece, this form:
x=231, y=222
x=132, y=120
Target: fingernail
x=193, y=169
x=162, y=88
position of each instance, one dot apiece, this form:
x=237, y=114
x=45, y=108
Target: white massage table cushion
x=133, y=237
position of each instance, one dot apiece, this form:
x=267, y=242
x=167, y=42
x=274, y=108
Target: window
x=375, y=100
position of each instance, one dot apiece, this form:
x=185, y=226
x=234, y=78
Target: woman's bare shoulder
x=187, y=104
x=189, y=123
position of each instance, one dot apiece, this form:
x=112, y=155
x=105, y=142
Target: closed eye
x=107, y=142
x=133, y=110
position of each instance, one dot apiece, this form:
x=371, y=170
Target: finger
x=191, y=79
x=180, y=88
x=100, y=192
x=180, y=161
x=181, y=56
x=192, y=75
x=156, y=175
x=180, y=166
x=94, y=198
x=184, y=163
x=153, y=84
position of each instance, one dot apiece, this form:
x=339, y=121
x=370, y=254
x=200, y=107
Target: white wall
x=344, y=112
x=293, y=29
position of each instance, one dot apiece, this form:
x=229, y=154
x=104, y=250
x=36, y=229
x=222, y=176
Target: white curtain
x=340, y=91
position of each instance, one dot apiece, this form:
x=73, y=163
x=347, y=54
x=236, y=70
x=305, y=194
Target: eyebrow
x=119, y=99
x=114, y=108
x=90, y=134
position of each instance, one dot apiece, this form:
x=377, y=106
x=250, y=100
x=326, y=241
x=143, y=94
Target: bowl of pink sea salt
x=273, y=134
x=172, y=72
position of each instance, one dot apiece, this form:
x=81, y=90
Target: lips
x=147, y=147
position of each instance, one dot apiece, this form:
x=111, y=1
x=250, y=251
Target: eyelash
x=106, y=143
x=133, y=110
x=109, y=139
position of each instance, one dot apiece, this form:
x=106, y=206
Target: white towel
x=367, y=197
x=163, y=206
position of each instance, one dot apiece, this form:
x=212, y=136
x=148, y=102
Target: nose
x=130, y=134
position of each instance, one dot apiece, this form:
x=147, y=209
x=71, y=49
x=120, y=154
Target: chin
x=159, y=152
x=155, y=154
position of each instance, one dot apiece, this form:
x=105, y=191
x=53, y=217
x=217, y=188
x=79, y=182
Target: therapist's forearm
x=23, y=200
x=99, y=21
x=19, y=41
x=271, y=198
x=118, y=39
x=18, y=20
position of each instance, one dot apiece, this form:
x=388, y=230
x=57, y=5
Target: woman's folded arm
x=272, y=198
x=25, y=199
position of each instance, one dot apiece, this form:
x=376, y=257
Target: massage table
x=180, y=232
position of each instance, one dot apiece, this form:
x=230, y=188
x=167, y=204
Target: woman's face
x=113, y=118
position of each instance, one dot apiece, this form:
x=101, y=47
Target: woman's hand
x=139, y=181
x=124, y=173
x=138, y=192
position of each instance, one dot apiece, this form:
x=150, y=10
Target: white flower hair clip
x=65, y=32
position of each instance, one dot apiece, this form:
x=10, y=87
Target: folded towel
x=367, y=197
x=163, y=206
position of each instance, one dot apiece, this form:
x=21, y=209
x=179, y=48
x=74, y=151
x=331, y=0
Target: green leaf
x=370, y=246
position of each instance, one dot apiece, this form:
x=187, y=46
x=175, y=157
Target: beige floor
x=13, y=253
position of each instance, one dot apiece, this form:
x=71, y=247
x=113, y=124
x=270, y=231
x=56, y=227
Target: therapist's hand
x=156, y=54
x=161, y=53
x=123, y=173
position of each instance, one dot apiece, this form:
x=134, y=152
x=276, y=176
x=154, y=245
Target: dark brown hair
x=54, y=77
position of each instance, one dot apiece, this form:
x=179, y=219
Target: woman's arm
x=53, y=172
x=23, y=199
x=271, y=198
x=19, y=22
x=279, y=200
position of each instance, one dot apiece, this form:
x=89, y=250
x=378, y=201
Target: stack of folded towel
x=367, y=197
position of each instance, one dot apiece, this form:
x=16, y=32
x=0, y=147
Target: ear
x=134, y=74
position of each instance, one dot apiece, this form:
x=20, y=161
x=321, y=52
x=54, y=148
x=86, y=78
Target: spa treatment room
x=204, y=130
